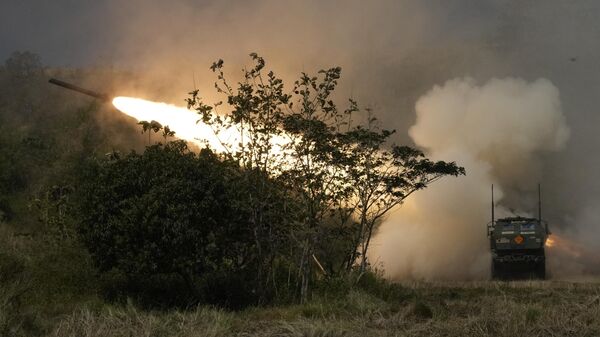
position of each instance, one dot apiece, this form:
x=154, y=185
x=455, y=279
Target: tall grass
x=47, y=291
x=40, y=281
x=13, y=287
x=128, y=321
x=471, y=309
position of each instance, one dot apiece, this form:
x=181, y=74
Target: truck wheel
x=540, y=270
x=496, y=272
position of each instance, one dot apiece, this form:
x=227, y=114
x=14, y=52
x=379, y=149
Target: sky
x=391, y=51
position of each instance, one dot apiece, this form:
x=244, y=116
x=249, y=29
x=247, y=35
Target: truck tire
x=496, y=271
x=540, y=270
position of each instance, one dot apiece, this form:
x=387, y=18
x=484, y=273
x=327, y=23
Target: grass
x=430, y=309
x=53, y=294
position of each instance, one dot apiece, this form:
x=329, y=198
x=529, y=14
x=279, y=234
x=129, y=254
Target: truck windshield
x=508, y=226
x=528, y=226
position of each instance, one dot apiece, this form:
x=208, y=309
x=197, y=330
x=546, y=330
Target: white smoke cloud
x=497, y=132
x=576, y=255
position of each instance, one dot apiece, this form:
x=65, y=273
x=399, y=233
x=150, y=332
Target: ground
x=519, y=308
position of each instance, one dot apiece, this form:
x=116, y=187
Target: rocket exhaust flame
x=569, y=259
x=181, y=120
x=564, y=246
x=187, y=124
x=184, y=122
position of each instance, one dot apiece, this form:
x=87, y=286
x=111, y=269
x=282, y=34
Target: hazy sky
x=80, y=32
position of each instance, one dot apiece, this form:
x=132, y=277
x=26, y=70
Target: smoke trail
x=497, y=131
x=576, y=255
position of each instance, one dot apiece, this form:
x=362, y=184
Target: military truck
x=517, y=245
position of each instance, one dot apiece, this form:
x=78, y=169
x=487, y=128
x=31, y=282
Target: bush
x=376, y=285
x=170, y=225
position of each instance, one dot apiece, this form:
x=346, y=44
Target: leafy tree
x=155, y=127
x=382, y=177
x=169, y=212
x=22, y=65
x=296, y=147
x=335, y=172
x=317, y=161
x=53, y=208
x=258, y=106
x=167, y=132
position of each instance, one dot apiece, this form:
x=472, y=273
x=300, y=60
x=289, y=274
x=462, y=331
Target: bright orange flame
x=186, y=124
x=564, y=245
x=179, y=119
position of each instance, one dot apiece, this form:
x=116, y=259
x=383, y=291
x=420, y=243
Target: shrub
x=170, y=224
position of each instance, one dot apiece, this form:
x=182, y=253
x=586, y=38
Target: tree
x=155, y=127
x=382, y=178
x=296, y=144
x=22, y=65
x=334, y=171
x=257, y=107
x=317, y=162
x=52, y=208
x=171, y=213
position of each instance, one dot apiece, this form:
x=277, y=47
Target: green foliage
x=155, y=127
x=53, y=209
x=39, y=281
x=22, y=65
x=256, y=225
x=344, y=178
x=382, y=176
x=169, y=215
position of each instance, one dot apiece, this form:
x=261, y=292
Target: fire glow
x=184, y=122
x=187, y=125
x=564, y=245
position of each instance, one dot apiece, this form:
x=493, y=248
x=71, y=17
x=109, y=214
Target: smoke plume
x=497, y=131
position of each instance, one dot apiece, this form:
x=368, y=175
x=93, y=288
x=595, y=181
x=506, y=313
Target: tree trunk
x=363, y=264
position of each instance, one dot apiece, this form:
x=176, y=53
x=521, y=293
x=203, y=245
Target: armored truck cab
x=517, y=245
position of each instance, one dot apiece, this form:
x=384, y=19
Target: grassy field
x=527, y=308
x=49, y=290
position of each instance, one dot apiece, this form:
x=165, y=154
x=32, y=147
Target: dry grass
x=529, y=308
x=522, y=308
x=129, y=321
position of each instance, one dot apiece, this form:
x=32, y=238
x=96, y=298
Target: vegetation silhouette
x=85, y=222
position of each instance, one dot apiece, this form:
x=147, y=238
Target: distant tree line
x=46, y=133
